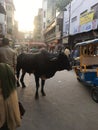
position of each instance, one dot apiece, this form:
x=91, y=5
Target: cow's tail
x=18, y=68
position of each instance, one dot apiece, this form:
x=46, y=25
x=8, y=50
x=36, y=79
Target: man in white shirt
x=67, y=52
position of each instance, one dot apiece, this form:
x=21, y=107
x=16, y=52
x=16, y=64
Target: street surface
x=66, y=106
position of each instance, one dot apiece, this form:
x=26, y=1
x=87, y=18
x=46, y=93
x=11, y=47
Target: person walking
x=7, y=54
x=10, y=117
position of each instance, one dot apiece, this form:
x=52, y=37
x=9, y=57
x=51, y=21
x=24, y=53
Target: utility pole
x=69, y=23
x=69, y=18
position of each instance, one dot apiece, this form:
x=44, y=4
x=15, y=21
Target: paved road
x=66, y=106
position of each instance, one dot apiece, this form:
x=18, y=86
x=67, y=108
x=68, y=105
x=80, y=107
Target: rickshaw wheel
x=78, y=79
x=94, y=94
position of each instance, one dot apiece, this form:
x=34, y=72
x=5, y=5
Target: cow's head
x=63, y=62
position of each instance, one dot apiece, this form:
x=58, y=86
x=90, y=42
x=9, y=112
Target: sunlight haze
x=25, y=10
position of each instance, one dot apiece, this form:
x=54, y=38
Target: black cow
x=43, y=65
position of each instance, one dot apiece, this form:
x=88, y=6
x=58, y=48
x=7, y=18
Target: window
x=9, y=19
x=95, y=9
x=44, y=25
x=83, y=13
x=74, y=19
x=67, y=28
x=44, y=14
x=9, y=8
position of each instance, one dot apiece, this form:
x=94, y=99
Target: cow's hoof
x=43, y=94
x=36, y=96
x=18, y=85
x=23, y=86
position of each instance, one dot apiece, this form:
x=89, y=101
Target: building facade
x=7, y=18
x=54, y=25
x=80, y=21
x=44, y=16
x=50, y=28
x=10, y=18
x=2, y=18
x=38, y=31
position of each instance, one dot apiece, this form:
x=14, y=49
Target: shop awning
x=40, y=44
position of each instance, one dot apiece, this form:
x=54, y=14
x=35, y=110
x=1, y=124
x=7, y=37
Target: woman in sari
x=10, y=117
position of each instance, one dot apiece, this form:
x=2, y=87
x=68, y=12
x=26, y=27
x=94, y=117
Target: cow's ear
x=53, y=59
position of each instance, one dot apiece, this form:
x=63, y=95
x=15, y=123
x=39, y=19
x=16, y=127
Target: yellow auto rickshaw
x=86, y=65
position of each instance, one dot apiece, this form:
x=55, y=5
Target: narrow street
x=35, y=36
x=66, y=106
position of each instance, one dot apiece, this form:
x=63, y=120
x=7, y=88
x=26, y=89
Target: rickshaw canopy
x=87, y=42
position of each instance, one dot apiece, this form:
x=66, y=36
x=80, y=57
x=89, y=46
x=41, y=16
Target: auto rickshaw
x=86, y=65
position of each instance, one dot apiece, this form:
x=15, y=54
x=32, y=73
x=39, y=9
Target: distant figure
x=67, y=52
x=7, y=54
x=10, y=117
